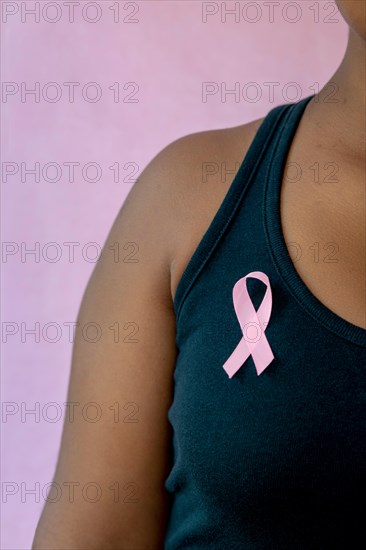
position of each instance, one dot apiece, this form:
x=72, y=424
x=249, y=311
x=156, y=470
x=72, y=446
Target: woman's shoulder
x=179, y=191
x=215, y=143
x=196, y=172
x=197, y=168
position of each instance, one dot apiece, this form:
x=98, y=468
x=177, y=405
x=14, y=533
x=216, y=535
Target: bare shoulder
x=191, y=158
x=180, y=190
x=199, y=169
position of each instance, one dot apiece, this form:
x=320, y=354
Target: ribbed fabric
x=276, y=461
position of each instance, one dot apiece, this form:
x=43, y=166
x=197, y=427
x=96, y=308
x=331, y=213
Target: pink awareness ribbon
x=258, y=347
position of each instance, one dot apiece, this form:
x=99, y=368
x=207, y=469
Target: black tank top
x=271, y=453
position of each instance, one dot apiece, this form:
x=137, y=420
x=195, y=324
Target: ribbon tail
x=237, y=358
x=262, y=355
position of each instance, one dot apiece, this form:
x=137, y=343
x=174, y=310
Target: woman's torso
x=276, y=460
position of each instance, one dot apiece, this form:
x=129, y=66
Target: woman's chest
x=289, y=439
x=323, y=218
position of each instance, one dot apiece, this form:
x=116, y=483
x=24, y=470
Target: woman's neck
x=341, y=115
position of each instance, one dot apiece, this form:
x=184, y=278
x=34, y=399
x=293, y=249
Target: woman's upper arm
x=123, y=381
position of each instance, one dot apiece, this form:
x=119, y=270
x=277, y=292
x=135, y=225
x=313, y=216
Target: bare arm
x=126, y=460
x=166, y=214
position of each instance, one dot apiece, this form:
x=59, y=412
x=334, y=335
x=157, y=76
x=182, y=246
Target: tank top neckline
x=271, y=217
x=276, y=133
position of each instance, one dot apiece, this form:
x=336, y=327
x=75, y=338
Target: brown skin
x=354, y=12
x=166, y=213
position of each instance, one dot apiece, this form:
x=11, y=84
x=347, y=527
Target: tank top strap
x=280, y=118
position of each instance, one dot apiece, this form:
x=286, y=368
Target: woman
x=233, y=417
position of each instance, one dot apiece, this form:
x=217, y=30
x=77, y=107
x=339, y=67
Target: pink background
x=168, y=52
